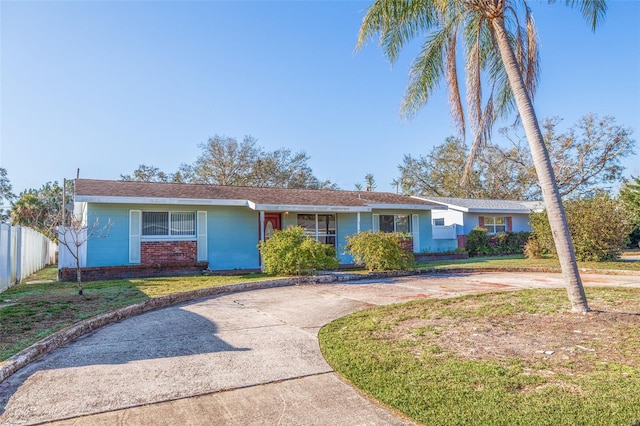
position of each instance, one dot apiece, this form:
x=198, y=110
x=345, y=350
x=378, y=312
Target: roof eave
x=158, y=200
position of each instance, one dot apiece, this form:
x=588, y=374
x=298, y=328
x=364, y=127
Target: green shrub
x=479, y=243
x=379, y=251
x=599, y=227
x=290, y=252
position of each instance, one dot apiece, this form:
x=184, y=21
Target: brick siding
x=167, y=252
x=133, y=271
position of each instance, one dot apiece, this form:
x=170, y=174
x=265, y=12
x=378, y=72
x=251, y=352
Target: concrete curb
x=69, y=334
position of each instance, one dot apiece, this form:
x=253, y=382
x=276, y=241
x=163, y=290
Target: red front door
x=271, y=224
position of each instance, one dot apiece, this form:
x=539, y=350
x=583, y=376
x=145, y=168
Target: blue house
x=463, y=215
x=159, y=225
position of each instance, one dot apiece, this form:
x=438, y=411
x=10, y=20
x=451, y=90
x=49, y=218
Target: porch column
x=261, y=226
x=358, y=222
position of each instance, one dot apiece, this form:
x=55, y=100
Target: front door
x=271, y=224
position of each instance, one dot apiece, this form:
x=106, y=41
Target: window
x=322, y=227
x=395, y=223
x=438, y=221
x=495, y=225
x=168, y=224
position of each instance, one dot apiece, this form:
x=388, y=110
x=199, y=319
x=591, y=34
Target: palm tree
x=501, y=54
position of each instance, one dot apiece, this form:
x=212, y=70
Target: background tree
x=586, y=158
x=599, y=227
x=438, y=173
x=6, y=194
x=146, y=173
x=225, y=161
x=369, y=183
x=41, y=209
x=501, y=51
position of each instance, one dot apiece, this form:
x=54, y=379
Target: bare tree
x=77, y=234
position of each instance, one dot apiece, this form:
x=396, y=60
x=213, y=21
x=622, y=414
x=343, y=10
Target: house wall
x=114, y=249
x=451, y=217
x=520, y=222
x=232, y=235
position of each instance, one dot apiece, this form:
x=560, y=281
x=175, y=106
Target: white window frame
x=492, y=227
x=438, y=219
x=315, y=233
x=169, y=236
x=395, y=222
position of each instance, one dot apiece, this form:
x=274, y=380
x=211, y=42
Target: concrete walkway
x=238, y=359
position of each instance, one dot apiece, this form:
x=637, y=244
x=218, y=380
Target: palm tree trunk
x=544, y=169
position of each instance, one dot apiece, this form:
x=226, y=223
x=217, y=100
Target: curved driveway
x=238, y=359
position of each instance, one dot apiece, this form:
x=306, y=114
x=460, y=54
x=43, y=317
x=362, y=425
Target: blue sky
x=104, y=86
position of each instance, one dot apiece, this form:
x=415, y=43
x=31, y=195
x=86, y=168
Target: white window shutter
x=203, y=254
x=375, y=218
x=135, y=230
x=415, y=231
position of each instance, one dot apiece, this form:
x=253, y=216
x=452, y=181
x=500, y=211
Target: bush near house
x=291, y=252
x=379, y=251
x=479, y=243
x=599, y=229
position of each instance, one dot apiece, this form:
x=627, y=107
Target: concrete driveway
x=238, y=359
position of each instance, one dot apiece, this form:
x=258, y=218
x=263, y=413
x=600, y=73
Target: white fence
x=444, y=232
x=23, y=251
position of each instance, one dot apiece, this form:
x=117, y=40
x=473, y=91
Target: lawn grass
x=39, y=306
x=519, y=261
x=511, y=358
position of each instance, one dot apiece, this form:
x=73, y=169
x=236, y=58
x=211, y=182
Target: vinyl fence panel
x=23, y=251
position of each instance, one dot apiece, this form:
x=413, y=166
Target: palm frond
x=482, y=136
x=397, y=23
x=425, y=72
x=455, y=100
x=593, y=11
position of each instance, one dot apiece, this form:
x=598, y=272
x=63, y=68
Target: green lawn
x=517, y=358
x=39, y=306
x=519, y=261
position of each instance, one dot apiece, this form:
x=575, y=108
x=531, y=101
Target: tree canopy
x=41, y=209
x=6, y=194
x=586, y=158
x=226, y=161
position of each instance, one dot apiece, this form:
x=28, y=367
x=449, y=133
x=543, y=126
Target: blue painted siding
x=347, y=224
x=114, y=249
x=233, y=234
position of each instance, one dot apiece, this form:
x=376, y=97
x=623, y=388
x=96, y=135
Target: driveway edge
x=11, y=365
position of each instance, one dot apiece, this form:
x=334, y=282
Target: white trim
x=358, y=222
x=308, y=208
x=415, y=231
x=252, y=205
x=405, y=207
x=375, y=222
x=158, y=200
x=201, y=232
x=261, y=235
x=135, y=234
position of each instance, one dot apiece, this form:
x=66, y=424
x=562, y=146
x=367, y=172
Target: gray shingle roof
x=487, y=206
x=123, y=191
